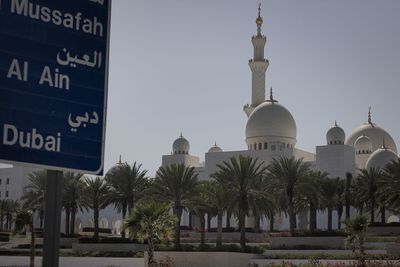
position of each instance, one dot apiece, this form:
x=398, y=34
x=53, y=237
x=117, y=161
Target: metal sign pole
x=51, y=242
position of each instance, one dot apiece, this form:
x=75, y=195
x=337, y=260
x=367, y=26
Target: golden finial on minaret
x=120, y=160
x=335, y=123
x=181, y=135
x=259, y=20
x=369, y=116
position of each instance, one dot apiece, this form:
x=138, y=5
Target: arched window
x=265, y=145
x=259, y=146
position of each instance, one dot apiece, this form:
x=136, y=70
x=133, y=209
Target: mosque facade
x=271, y=133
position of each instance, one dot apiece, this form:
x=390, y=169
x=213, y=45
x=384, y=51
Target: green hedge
x=4, y=237
x=212, y=248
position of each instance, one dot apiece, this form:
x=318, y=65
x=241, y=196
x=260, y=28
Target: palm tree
x=176, y=185
x=95, y=197
x=150, y=221
x=126, y=184
x=368, y=189
x=34, y=193
x=356, y=229
x=310, y=192
x=199, y=206
x=72, y=199
x=349, y=177
x=23, y=218
x=341, y=200
x=3, y=208
x=389, y=185
x=219, y=201
x=11, y=207
x=288, y=172
x=329, y=189
x=239, y=178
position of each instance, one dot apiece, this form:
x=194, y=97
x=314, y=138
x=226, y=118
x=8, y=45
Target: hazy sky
x=183, y=66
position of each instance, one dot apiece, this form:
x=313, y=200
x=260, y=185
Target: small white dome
x=363, y=145
x=214, y=149
x=181, y=146
x=380, y=158
x=335, y=135
x=271, y=122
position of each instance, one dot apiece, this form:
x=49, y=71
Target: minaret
x=258, y=65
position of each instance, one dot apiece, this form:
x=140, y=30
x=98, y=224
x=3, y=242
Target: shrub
x=211, y=248
x=320, y=233
x=101, y=230
x=4, y=237
x=380, y=224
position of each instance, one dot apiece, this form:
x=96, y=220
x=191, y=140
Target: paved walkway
x=6, y=261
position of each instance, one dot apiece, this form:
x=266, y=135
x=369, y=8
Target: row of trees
x=245, y=187
x=122, y=187
x=241, y=186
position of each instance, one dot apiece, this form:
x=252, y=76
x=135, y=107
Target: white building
x=271, y=133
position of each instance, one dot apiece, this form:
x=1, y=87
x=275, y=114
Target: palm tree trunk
x=313, y=218
x=271, y=223
x=208, y=222
x=362, y=262
x=372, y=211
x=41, y=216
x=178, y=214
x=123, y=219
x=219, y=229
x=32, y=252
x=1, y=220
x=228, y=219
x=329, y=219
x=96, y=223
x=72, y=225
x=190, y=221
x=242, y=226
x=383, y=214
x=150, y=250
x=7, y=221
x=67, y=220
x=202, y=230
x=256, y=224
x=292, y=217
x=339, y=223
x=347, y=200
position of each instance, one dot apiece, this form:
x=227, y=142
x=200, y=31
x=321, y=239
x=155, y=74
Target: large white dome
x=375, y=133
x=271, y=122
x=181, y=146
x=380, y=158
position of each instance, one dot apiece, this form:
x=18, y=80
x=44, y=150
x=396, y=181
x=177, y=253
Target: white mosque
x=270, y=133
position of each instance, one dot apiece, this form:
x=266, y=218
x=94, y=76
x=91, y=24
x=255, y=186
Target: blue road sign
x=53, y=83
